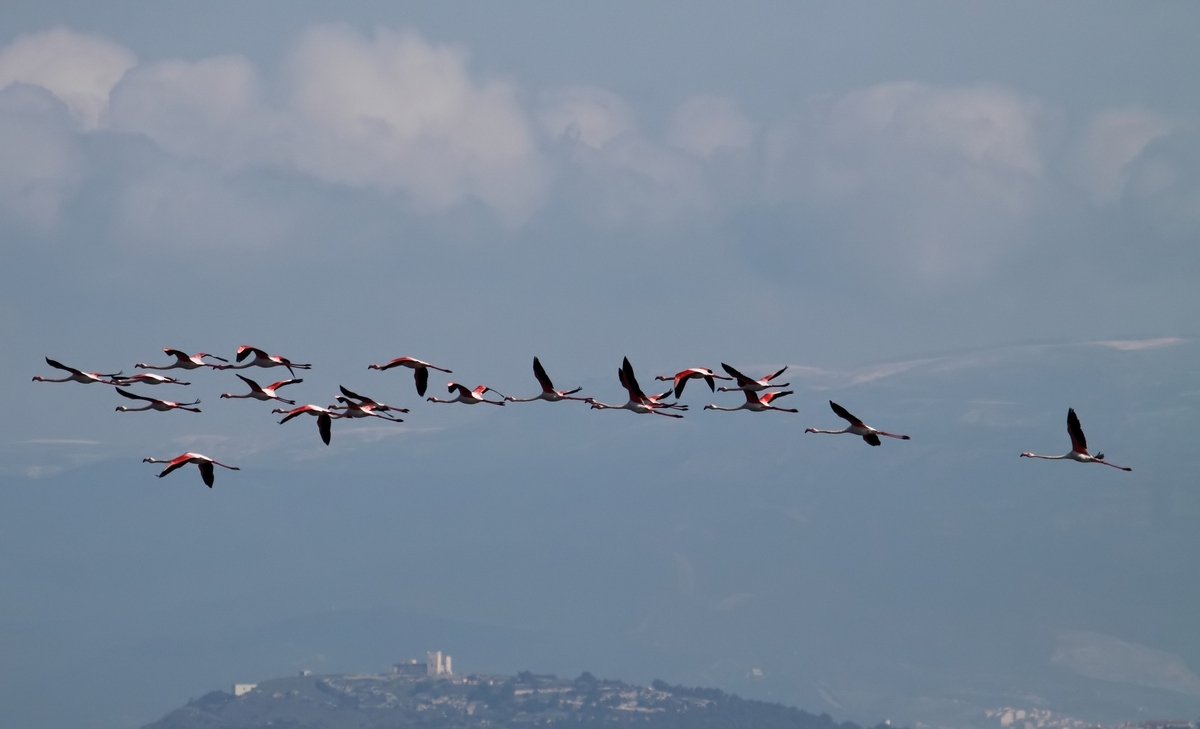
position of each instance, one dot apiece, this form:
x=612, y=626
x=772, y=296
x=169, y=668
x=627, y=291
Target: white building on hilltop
x=437, y=665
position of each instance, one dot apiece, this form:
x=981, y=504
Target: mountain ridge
x=403, y=698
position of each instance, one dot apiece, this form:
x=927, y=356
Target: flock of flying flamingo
x=759, y=394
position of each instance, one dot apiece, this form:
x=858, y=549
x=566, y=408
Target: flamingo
x=1079, y=451
x=262, y=359
x=183, y=361
x=146, y=378
x=324, y=418
x=468, y=397
x=548, y=393
x=857, y=427
x=745, y=383
x=263, y=393
x=638, y=401
x=203, y=462
x=758, y=403
x=420, y=370
x=368, y=404
x=155, y=404
x=351, y=409
x=77, y=375
x=679, y=379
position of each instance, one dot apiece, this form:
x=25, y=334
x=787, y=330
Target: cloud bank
x=934, y=183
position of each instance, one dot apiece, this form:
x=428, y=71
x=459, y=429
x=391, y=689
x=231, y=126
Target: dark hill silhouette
x=395, y=700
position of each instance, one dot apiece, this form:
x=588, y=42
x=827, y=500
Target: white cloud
x=390, y=112
x=705, y=124
x=934, y=182
x=1164, y=183
x=395, y=112
x=78, y=68
x=616, y=174
x=1114, y=139
x=1135, y=345
x=587, y=115
x=40, y=163
x=210, y=109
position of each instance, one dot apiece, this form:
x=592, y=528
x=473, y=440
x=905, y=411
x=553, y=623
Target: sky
x=955, y=220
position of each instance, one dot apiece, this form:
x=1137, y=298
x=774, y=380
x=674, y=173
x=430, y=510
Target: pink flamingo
x=758, y=403
x=679, y=379
x=324, y=418
x=367, y=403
x=468, y=397
x=161, y=406
x=262, y=359
x=78, y=375
x=857, y=427
x=263, y=393
x=746, y=383
x=147, y=378
x=638, y=401
x=203, y=462
x=420, y=370
x=1079, y=451
x=548, y=393
x=183, y=361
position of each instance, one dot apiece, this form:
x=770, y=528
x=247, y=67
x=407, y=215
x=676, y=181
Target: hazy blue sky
x=955, y=219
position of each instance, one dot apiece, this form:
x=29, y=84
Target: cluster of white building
x=436, y=664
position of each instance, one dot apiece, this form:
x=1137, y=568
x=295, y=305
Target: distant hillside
x=379, y=701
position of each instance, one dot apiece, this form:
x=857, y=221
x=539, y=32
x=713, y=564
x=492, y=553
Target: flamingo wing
x=769, y=396
x=460, y=389
x=871, y=439
x=421, y=376
x=294, y=412
x=246, y=350
x=131, y=396
x=325, y=427
x=741, y=379
x=206, y=472
x=631, y=380
x=770, y=377
x=177, y=354
x=60, y=366
x=253, y=385
x=176, y=463
x=844, y=414
x=281, y=383
x=543, y=379
x=1075, y=430
x=356, y=396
